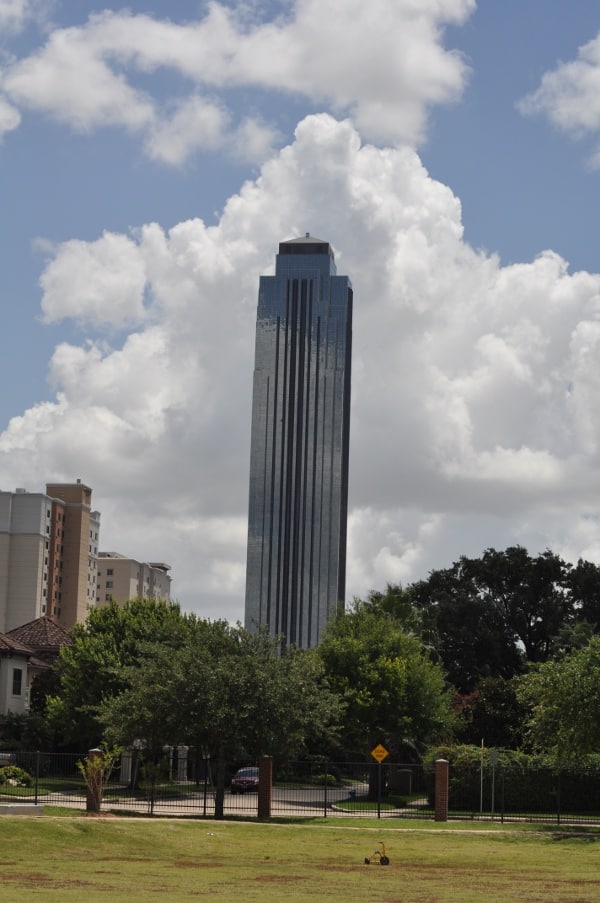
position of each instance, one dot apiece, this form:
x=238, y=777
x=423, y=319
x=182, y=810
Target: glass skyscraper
x=296, y=568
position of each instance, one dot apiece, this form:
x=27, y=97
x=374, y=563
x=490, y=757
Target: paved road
x=285, y=800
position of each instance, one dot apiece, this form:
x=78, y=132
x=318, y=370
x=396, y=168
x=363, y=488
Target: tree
x=398, y=604
x=564, y=699
x=393, y=692
x=465, y=628
x=583, y=583
x=489, y=616
x=92, y=668
x=492, y=713
x=226, y=691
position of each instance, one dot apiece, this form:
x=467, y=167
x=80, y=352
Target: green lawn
x=131, y=859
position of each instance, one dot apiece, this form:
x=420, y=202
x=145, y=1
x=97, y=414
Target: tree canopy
x=491, y=616
x=393, y=692
x=227, y=692
x=93, y=667
x=564, y=700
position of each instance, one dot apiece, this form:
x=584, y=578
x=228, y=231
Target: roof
x=306, y=244
x=41, y=633
x=8, y=646
x=307, y=238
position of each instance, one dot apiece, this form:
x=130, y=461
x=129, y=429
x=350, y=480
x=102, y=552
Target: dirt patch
x=187, y=864
x=36, y=880
x=280, y=879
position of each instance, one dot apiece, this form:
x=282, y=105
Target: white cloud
x=196, y=124
x=99, y=282
x=10, y=117
x=474, y=417
x=383, y=62
x=253, y=140
x=14, y=14
x=569, y=95
x=70, y=81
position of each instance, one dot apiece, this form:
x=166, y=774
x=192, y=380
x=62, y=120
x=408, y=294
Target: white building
x=120, y=579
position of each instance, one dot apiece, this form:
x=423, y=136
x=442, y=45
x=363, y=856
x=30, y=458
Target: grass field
x=120, y=859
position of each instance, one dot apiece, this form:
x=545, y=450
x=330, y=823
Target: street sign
x=379, y=753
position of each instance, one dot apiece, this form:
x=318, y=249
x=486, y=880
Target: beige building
x=48, y=555
x=121, y=579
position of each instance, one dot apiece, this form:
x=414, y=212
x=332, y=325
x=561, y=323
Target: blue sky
x=150, y=160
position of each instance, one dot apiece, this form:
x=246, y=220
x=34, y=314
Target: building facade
x=15, y=661
x=48, y=551
x=121, y=579
x=296, y=562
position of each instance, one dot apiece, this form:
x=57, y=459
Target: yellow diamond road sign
x=379, y=753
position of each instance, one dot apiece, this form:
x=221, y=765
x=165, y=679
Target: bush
x=523, y=783
x=321, y=779
x=17, y=777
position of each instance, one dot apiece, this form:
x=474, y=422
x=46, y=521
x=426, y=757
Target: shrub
x=321, y=779
x=523, y=783
x=12, y=774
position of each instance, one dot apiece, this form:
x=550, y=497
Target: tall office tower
x=296, y=566
x=48, y=548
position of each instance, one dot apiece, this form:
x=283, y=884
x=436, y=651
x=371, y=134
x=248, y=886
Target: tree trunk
x=220, y=788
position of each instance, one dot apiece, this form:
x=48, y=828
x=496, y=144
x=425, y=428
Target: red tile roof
x=43, y=633
x=8, y=646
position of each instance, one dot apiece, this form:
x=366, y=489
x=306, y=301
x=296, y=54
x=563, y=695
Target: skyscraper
x=296, y=568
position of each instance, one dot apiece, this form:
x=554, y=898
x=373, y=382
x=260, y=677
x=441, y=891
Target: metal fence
x=360, y=789
x=182, y=783
x=510, y=793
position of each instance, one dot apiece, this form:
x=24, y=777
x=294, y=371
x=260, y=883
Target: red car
x=245, y=779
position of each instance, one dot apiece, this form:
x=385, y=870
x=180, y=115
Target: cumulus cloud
x=10, y=117
x=14, y=14
x=569, y=95
x=383, y=62
x=474, y=420
x=73, y=84
x=100, y=282
x=195, y=124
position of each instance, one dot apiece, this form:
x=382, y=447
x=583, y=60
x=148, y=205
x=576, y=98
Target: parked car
x=7, y=758
x=245, y=779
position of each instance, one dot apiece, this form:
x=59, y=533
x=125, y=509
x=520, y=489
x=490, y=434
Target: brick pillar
x=442, y=769
x=265, y=786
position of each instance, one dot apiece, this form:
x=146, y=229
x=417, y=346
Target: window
x=110, y=572
x=17, y=687
x=109, y=584
x=108, y=597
